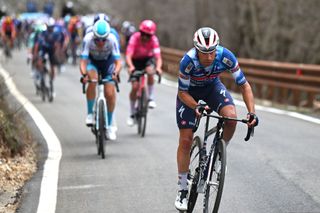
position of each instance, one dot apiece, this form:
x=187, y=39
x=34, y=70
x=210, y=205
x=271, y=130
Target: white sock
x=132, y=107
x=183, y=182
x=150, y=91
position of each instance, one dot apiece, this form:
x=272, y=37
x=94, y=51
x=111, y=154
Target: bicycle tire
x=144, y=113
x=139, y=114
x=193, y=175
x=101, y=130
x=216, y=179
x=43, y=88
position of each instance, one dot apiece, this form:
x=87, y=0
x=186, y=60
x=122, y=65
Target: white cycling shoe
x=111, y=133
x=89, y=120
x=131, y=121
x=152, y=104
x=181, y=202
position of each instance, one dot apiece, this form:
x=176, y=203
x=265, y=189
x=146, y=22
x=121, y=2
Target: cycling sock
x=150, y=91
x=90, y=104
x=132, y=107
x=110, y=114
x=183, y=181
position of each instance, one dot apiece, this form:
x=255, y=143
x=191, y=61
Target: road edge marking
x=49, y=182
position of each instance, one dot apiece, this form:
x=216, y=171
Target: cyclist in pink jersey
x=143, y=53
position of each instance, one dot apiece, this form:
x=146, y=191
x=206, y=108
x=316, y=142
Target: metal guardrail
x=284, y=83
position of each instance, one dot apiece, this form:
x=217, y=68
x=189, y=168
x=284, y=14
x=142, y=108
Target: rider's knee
x=185, y=143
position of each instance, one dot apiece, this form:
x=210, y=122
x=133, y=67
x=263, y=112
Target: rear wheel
x=193, y=175
x=144, y=113
x=214, y=188
x=101, y=130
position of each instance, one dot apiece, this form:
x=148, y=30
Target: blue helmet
x=101, y=29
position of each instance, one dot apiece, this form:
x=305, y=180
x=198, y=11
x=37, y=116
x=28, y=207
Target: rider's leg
x=133, y=96
x=230, y=126
x=150, y=71
x=183, y=160
x=183, y=156
x=91, y=90
x=110, y=94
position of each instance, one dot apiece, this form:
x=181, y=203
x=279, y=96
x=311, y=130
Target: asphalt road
x=276, y=171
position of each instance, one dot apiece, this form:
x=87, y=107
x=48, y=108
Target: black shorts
x=141, y=64
x=215, y=95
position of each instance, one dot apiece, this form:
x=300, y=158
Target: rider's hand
x=201, y=106
x=84, y=79
x=159, y=71
x=253, y=120
x=131, y=69
x=115, y=76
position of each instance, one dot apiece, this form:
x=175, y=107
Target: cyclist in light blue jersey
x=101, y=54
x=199, y=79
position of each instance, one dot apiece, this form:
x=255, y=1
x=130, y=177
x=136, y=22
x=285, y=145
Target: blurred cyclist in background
x=101, y=54
x=46, y=47
x=127, y=30
x=8, y=32
x=143, y=53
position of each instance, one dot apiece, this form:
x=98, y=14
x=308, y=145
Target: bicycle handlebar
x=96, y=81
x=139, y=73
x=250, y=131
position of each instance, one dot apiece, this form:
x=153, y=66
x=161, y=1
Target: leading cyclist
x=143, y=53
x=101, y=54
x=198, y=80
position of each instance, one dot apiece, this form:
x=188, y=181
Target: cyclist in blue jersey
x=48, y=44
x=199, y=79
x=101, y=54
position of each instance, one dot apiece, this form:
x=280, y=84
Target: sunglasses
x=100, y=39
x=143, y=34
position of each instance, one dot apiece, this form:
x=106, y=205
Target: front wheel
x=142, y=113
x=101, y=129
x=214, y=188
x=194, y=174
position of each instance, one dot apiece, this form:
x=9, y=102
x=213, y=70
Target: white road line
x=259, y=107
x=49, y=183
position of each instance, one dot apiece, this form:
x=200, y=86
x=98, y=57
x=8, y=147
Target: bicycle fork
x=101, y=98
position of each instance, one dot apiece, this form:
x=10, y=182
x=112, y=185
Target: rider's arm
x=186, y=67
x=157, y=53
x=159, y=64
x=117, y=68
x=129, y=53
x=84, y=55
x=187, y=99
x=247, y=95
x=83, y=66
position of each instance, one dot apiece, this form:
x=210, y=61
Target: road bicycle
x=100, y=124
x=207, y=168
x=142, y=100
x=43, y=84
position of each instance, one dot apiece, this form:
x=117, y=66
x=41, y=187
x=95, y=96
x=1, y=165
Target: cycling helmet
x=8, y=20
x=101, y=16
x=206, y=40
x=51, y=22
x=148, y=27
x=101, y=29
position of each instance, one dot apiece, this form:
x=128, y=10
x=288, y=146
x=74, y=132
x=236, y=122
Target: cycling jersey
x=193, y=74
x=92, y=52
x=203, y=83
x=139, y=50
x=101, y=60
x=8, y=28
